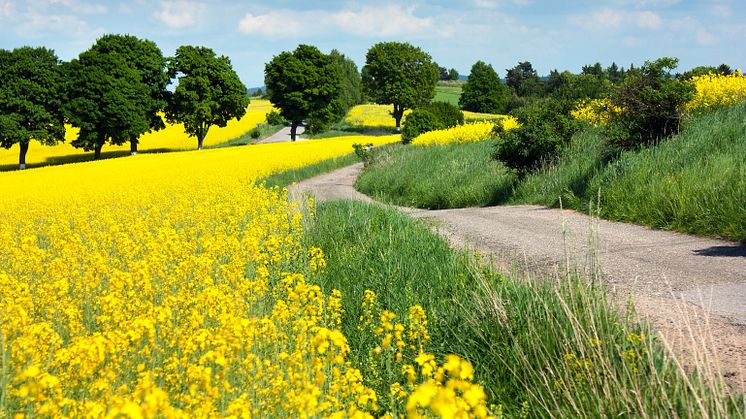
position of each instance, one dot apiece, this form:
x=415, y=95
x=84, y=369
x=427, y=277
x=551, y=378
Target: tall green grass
x=568, y=179
x=693, y=183
x=434, y=177
x=545, y=348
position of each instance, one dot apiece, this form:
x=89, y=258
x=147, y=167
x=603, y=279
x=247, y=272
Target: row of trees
x=485, y=92
x=309, y=86
x=114, y=92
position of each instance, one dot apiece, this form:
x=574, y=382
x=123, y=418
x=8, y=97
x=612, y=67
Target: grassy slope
x=549, y=349
x=694, y=183
x=450, y=94
x=434, y=177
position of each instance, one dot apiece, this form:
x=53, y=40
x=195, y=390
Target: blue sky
x=550, y=34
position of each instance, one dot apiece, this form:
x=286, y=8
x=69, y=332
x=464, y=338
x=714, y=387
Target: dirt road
x=691, y=289
x=283, y=136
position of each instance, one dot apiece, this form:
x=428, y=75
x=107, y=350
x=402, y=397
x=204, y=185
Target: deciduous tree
x=31, y=99
x=303, y=84
x=148, y=60
x=106, y=100
x=399, y=74
x=209, y=92
x=483, y=91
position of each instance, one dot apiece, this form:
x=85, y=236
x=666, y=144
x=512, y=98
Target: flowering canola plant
x=469, y=132
x=172, y=137
x=594, y=112
x=172, y=285
x=372, y=116
x=717, y=91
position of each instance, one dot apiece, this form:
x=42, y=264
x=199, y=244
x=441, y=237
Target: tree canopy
x=524, y=80
x=399, y=74
x=351, y=90
x=106, y=99
x=303, y=84
x=30, y=99
x=148, y=60
x=483, y=91
x=209, y=92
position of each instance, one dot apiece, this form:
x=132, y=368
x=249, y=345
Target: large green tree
x=351, y=90
x=106, y=97
x=209, y=92
x=524, y=80
x=399, y=74
x=303, y=84
x=148, y=60
x=31, y=99
x=483, y=91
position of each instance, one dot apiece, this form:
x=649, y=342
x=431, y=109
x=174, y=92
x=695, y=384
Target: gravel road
x=283, y=136
x=691, y=289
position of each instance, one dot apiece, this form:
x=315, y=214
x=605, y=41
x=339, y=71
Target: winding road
x=691, y=289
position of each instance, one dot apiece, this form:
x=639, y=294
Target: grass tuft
x=435, y=177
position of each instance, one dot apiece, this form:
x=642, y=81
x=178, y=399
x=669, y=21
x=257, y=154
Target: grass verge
x=540, y=348
x=289, y=177
x=693, y=183
x=434, y=177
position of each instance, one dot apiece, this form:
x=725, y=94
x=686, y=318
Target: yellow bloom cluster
x=477, y=116
x=373, y=116
x=716, y=91
x=172, y=137
x=169, y=285
x=425, y=388
x=594, y=112
x=470, y=132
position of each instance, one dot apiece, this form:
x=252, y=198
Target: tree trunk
x=97, y=151
x=22, y=156
x=398, y=114
x=293, y=130
x=133, y=147
x=200, y=140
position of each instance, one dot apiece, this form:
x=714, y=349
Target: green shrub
x=650, y=103
x=546, y=127
x=418, y=122
x=448, y=114
x=275, y=118
x=255, y=133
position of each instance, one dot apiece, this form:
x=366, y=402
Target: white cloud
x=604, y=19
x=180, y=14
x=7, y=8
x=384, y=21
x=648, y=20
x=705, y=38
x=486, y=4
x=721, y=10
x=35, y=25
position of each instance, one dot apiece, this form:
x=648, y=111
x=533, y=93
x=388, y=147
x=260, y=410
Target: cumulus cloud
x=7, y=8
x=180, y=14
x=384, y=21
x=614, y=19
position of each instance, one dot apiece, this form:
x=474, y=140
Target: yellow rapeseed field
x=469, y=132
x=716, y=91
x=171, y=285
x=170, y=138
x=373, y=116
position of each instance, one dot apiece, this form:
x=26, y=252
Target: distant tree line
x=114, y=92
